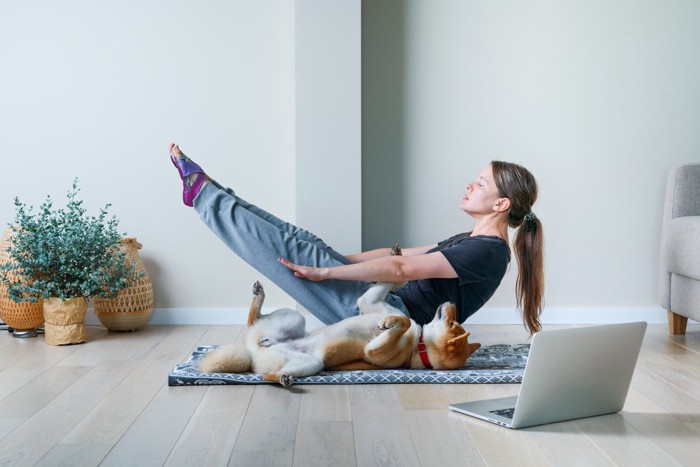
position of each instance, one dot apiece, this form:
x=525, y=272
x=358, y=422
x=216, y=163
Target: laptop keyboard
x=507, y=413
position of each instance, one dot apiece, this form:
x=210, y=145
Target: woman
x=466, y=268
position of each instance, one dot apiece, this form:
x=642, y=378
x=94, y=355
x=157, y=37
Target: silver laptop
x=570, y=373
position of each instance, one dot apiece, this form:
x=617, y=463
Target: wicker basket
x=21, y=316
x=133, y=306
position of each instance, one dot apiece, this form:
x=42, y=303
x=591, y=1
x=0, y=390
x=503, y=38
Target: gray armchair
x=679, y=278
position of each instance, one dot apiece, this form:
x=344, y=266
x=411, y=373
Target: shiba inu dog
x=278, y=346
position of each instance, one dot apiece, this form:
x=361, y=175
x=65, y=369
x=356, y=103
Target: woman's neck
x=492, y=226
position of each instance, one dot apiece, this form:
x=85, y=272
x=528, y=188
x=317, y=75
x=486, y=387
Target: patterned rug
x=501, y=363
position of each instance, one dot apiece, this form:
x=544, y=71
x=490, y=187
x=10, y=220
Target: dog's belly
x=279, y=326
x=336, y=344
x=362, y=327
x=345, y=341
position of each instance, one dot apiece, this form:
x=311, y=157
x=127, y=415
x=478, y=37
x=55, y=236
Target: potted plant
x=65, y=256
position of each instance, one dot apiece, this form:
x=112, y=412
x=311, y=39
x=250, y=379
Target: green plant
x=64, y=252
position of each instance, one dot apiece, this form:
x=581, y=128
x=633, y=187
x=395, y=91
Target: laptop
x=570, y=373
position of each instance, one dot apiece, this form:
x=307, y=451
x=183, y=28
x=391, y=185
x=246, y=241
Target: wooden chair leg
x=677, y=324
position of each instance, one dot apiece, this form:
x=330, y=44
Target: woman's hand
x=305, y=272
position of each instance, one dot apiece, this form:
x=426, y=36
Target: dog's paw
x=286, y=380
x=386, y=323
x=265, y=342
x=258, y=288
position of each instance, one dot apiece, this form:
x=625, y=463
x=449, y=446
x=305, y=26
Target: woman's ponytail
x=529, y=287
x=518, y=185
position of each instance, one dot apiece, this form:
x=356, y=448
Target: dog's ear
x=455, y=339
x=471, y=348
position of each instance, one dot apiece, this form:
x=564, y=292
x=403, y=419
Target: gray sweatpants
x=259, y=238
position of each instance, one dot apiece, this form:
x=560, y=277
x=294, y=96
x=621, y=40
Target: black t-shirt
x=480, y=263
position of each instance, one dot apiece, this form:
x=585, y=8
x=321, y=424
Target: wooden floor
x=107, y=402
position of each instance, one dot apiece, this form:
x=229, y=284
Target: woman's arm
x=382, y=252
x=383, y=269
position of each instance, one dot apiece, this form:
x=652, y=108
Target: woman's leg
x=291, y=229
x=194, y=178
x=260, y=238
x=260, y=243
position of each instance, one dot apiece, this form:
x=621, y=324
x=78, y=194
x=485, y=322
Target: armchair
x=679, y=277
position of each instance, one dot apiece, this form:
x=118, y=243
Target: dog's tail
x=233, y=358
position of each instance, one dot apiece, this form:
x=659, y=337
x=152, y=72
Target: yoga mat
x=501, y=363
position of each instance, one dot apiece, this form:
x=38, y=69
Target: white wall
x=598, y=99
x=98, y=90
x=328, y=119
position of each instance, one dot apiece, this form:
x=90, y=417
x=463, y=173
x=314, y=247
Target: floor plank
x=499, y=446
x=151, y=437
x=75, y=455
x=622, y=443
x=422, y=396
x=680, y=371
x=270, y=424
x=262, y=458
x=441, y=439
x=324, y=443
x=108, y=422
x=209, y=437
x=40, y=391
x=672, y=437
x=40, y=433
x=566, y=444
x=118, y=346
x=667, y=397
x=380, y=427
x=221, y=335
x=27, y=359
x=10, y=424
x=107, y=401
x=324, y=403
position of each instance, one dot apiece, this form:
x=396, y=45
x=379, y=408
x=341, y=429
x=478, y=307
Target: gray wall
x=598, y=99
x=250, y=89
x=328, y=121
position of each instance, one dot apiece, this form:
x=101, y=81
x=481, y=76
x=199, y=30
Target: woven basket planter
x=133, y=306
x=21, y=316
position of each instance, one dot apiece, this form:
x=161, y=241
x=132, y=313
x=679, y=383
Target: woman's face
x=481, y=196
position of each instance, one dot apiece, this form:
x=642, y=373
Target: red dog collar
x=423, y=352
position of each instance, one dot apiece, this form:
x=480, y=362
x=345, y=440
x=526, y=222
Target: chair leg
x=677, y=324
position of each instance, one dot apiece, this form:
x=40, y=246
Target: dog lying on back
x=278, y=346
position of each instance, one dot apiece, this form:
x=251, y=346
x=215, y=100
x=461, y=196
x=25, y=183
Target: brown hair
x=518, y=185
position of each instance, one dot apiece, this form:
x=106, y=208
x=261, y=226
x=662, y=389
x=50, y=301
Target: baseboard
x=237, y=316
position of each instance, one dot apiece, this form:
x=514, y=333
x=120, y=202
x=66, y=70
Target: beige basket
x=133, y=306
x=22, y=316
